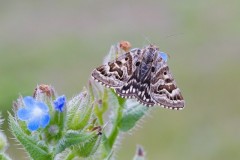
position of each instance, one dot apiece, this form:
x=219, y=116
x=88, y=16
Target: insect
x=142, y=74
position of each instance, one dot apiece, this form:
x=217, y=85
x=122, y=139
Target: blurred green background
x=60, y=42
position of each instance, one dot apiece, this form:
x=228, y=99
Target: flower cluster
x=36, y=113
x=67, y=127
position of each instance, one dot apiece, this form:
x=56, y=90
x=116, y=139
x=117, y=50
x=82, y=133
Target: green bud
x=53, y=130
x=114, y=52
x=79, y=111
x=111, y=54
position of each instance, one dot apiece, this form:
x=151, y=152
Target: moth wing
x=116, y=73
x=138, y=85
x=164, y=89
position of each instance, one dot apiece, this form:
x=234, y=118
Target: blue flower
x=59, y=103
x=164, y=56
x=35, y=113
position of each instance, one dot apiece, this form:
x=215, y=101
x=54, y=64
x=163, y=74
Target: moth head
x=149, y=53
x=135, y=50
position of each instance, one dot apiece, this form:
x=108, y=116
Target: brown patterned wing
x=138, y=85
x=164, y=89
x=116, y=73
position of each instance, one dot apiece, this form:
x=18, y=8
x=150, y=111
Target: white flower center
x=37, y=112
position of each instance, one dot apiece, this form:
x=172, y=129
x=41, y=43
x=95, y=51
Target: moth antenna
x=168, y=56
x=173, y=35
x=146, y=39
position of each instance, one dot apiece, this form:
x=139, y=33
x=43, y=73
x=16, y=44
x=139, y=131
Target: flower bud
x=139, y=155
x=53, y=130
x=79, y=111
x=44, y=91
x=125, y=45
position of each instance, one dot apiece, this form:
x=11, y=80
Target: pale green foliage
x=3, y=143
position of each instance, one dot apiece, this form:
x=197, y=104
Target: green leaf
x=85, y=117
x=132, y=113
x=3, y=142
x=4, y=157
x=89, y=147
x=36, y=150
x=73, y=138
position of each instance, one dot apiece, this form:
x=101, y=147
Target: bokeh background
x=60, y=42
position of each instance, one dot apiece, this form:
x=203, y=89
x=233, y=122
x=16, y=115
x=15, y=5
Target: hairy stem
x=115, y=130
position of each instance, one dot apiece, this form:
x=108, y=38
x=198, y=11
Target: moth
x=142, y=74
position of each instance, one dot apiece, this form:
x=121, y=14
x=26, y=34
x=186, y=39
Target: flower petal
x=29, y=101
x=164, y=56
x=42, y=106
x=23, y=114
x=59, y=103
x=33, y=124
x=45, y=120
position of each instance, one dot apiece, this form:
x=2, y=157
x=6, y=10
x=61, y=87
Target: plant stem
x=115, y=130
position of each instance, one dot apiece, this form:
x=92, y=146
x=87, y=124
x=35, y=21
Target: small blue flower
x=35, y=113
x=164, y=56
x=59, y=103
